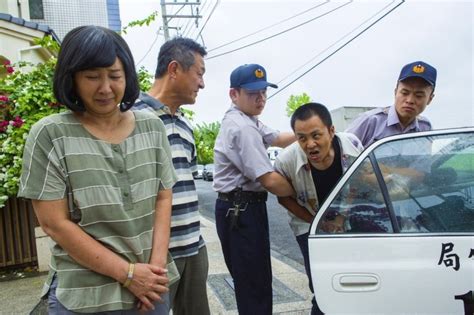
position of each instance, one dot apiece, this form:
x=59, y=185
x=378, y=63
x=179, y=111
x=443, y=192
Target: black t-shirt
x=326, y=180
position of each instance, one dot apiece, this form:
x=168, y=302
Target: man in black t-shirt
x=314, y=165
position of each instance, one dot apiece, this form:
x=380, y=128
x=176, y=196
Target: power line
x=175, y=13
x=339, y=40
x=167, y=18
x=186, y=27
x=204, y=12
x=189, y=29
x=188, y=23
x=268, y=27
x=149, y=49
x=156, y=39
x=209, y=16
x=344, y=45
x=280, y=33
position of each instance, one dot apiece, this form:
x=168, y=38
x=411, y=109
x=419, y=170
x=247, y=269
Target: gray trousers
x=188, y=296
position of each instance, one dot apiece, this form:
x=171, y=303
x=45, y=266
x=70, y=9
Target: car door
x=396, y=236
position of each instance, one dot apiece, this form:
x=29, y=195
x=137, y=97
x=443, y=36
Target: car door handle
x=344, y=282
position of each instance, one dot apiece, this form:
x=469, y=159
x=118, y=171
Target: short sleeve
x=279, y=166
x=193, y=164
x=253, y=152
x=42, y=176
x=268, y=134
x=166, y=171
x=355, y=141
x=286, y=162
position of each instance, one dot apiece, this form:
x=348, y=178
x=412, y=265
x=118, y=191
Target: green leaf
x=296, y=101
x=146, y=21
x=205, y=137
x=30, y=94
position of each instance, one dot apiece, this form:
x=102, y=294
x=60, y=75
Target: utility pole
x=168, y=17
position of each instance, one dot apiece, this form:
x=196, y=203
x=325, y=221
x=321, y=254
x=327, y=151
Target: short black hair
x=87, y=47
x=180, y=49
x=308, y=110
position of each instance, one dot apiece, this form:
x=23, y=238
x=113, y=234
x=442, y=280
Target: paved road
x=282, y=239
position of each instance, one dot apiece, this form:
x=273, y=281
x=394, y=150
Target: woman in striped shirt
x=100, y=179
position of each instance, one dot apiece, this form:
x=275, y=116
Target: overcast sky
x=363, y=73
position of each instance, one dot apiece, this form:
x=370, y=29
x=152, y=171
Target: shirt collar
x=392, y=119
x=157, y=105
x=234, y=108
x=302, y=162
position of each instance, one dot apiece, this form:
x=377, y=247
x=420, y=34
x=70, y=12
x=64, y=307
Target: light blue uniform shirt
x=240, y=152
x=383, y=122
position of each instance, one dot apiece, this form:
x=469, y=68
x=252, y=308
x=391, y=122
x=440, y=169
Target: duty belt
x=242, y=196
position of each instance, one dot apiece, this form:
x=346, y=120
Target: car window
x=359, y=207
x=435, y=190
x=424, y=185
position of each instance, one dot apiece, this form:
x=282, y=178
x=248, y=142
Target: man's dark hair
x=180, y=49
x=88, y=47
x=308, y=110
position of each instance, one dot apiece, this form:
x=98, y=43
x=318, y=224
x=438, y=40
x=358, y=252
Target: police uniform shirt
x=383, y=122
x=240, y=152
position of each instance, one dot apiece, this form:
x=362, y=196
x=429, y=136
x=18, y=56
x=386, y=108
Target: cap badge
x=259, y=73
x=418, y=69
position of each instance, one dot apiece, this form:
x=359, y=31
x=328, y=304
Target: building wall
x=12, y=7
x=113, y=11
x=16, y=42
x=62, y=16
x=343, y=116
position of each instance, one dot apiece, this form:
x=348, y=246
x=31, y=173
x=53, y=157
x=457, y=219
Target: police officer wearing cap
x=414, y=91
x=243, y=174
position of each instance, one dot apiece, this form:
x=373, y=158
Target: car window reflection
x=359, y=207
x=429, y=184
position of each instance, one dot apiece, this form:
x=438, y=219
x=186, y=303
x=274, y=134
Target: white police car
x=396, y=235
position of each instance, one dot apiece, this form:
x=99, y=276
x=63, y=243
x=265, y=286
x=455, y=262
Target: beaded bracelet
x=131, y=269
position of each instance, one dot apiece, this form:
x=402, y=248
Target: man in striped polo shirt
x=178, y=79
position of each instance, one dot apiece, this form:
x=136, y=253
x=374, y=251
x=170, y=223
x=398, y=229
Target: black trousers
x=247, y=256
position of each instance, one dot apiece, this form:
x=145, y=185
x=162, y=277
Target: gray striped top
x=111, y=189
x=185, y=238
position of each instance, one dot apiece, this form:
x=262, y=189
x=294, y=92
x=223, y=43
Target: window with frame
x=359, y=207
x=439, y=187
x=419, y=185
x=36, y=9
